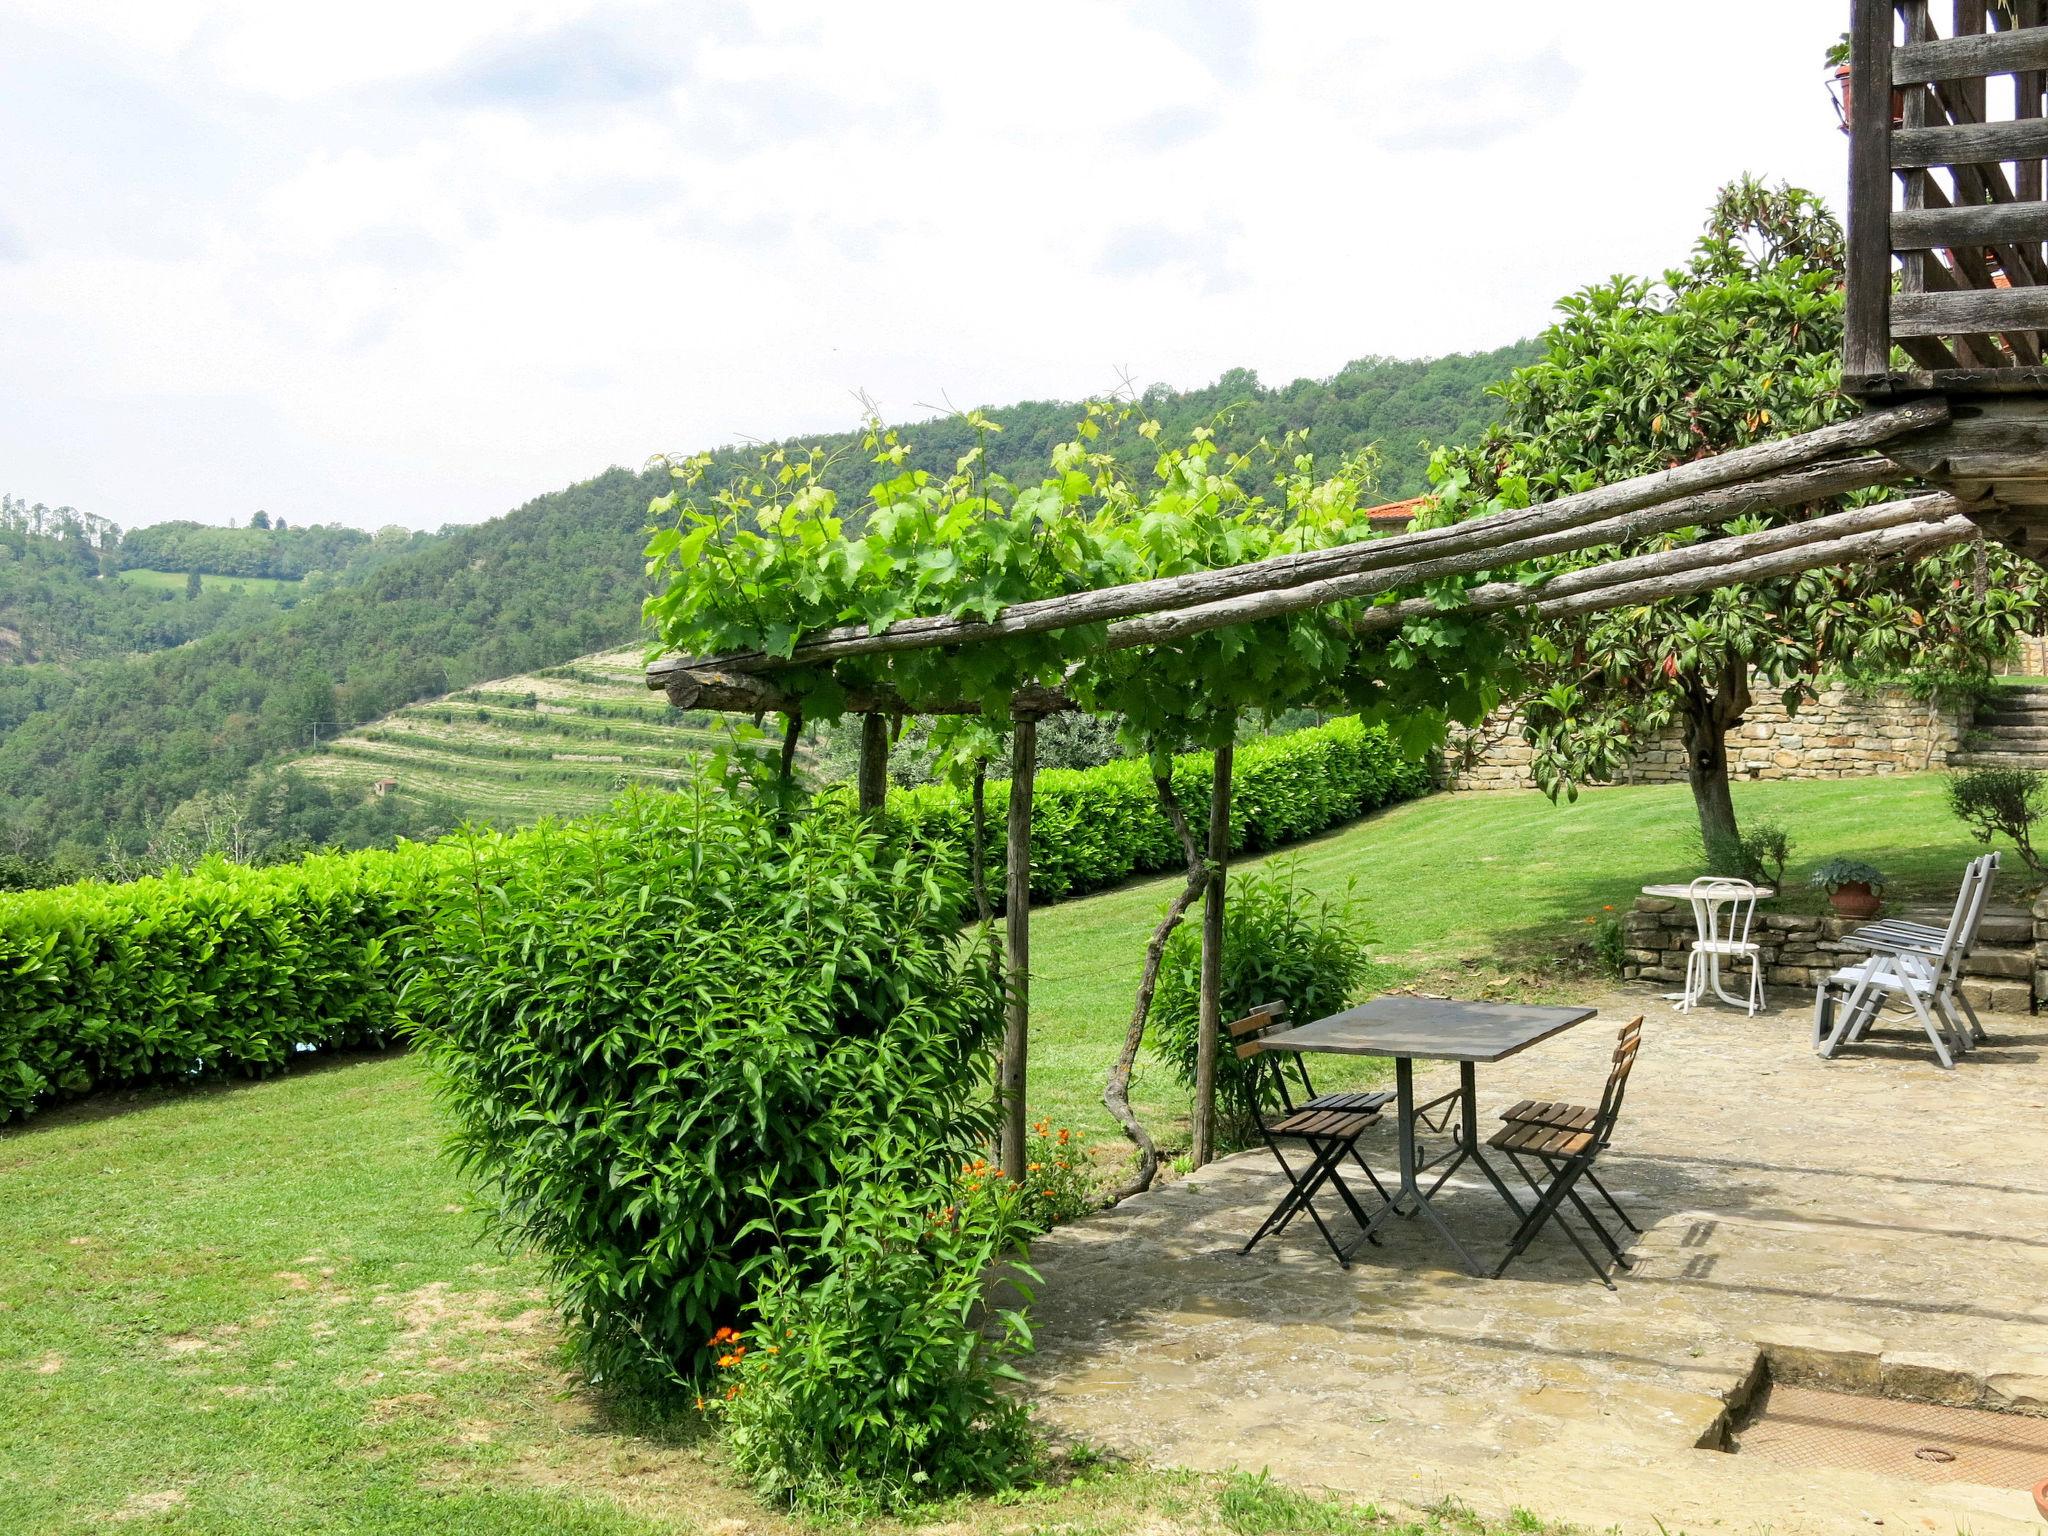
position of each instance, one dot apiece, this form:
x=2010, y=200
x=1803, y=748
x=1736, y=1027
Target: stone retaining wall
x=1846, y=733
x=2008, y=972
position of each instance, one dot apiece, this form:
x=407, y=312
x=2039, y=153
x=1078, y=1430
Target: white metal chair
x=1723, y=911
x=1906, y=967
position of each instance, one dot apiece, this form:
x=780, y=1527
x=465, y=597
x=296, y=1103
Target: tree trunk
x=1017, y=915
x=1709, y=714
x=1116, y=1093
x=1210, y=1024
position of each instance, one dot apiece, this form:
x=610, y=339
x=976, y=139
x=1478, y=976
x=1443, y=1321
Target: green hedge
x=233, y=972
x=225, y=971
x=1092, y=827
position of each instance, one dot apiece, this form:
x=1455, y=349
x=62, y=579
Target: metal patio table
x=1433, y=1029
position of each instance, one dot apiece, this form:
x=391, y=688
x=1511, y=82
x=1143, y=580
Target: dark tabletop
x=1433, y=1028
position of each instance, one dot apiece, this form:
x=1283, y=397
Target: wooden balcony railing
x=1947, y=211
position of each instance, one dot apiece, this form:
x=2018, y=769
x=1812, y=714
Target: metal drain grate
x=1925, y=1442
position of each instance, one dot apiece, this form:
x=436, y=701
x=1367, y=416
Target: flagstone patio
x=1869, y=1222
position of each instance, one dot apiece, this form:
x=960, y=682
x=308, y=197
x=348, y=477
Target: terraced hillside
x=559, y=741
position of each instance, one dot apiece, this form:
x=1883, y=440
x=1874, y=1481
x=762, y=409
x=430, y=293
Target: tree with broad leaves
x=1740, y=344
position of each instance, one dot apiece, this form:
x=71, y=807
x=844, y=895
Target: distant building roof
x=1395, y=515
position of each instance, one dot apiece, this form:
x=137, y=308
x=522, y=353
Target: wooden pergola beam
x=1715, y=557
x=1818, y=482
x=1842, y=538
x=1109, y=604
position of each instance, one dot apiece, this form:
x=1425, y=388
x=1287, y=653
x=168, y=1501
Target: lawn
x=1473, y=893
x=272, y=1307
x=175, y=581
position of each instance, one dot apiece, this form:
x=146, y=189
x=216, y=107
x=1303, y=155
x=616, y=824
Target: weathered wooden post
x=1017, y=942
x=874, y=762
x=1210, y=1018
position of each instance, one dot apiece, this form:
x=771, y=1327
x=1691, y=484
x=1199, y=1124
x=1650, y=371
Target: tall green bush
x=661, y=1031
x=1092, y=827
x=1281, y=943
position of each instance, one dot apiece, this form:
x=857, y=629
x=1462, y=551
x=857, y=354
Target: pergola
x=1850, y=456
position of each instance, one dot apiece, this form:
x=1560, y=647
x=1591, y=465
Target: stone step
x=1997, y=759
x=2032, y=736
x=2010, y=714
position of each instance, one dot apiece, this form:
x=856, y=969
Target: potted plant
x=1839, y=86
x=1855, y=889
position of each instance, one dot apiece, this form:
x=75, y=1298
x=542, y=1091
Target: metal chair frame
x=1546, y=1144
x=1327, y=1125
x=1915, y=962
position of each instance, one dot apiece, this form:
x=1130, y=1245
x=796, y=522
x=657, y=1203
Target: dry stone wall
x=2007, y=972
x=1846, y=733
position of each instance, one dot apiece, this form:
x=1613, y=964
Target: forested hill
x=107, y=749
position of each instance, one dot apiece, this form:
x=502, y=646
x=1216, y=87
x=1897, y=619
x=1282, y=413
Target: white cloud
x=417, y=263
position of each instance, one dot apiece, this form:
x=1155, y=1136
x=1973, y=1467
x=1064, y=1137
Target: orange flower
x=700, y=1405
x=731, y=1393
x=774, y=1349
x=1038, y=1167
x=1608, y=908
x=724, y=1336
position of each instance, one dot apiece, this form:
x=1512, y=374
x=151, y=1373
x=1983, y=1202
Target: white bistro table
x=1711, y=976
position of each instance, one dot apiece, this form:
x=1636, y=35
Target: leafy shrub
x=1281, y=943
x=2001, y=801
x=1058, y=1185
x=662, y=1031
x=1758, y=855
x=1610, y=945
x=872, y=1378
x=223, y=971
x=1092, y=827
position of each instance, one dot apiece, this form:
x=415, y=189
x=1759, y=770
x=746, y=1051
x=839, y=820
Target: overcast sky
x=418, y=262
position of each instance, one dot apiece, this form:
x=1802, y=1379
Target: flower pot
x=1845, y=99
x=2041, y=1498
x=1855, y=899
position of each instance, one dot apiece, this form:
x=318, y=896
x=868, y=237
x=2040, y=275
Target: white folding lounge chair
x=1922, y=976
x=1723, y=908
x=1891, y=934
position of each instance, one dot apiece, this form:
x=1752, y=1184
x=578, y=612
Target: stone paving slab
x=1873, y=1217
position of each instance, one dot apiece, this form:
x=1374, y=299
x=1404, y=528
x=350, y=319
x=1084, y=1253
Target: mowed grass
x=176, y=581
x=270, y=1309
x=1471, y=894
x=274, y=1308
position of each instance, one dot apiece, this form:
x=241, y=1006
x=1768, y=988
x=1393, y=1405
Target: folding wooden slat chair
x=1325, y=1126
x=1567, y=1151
x=1557, y=1115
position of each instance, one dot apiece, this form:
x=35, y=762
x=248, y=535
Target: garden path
x=1862, y=1219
